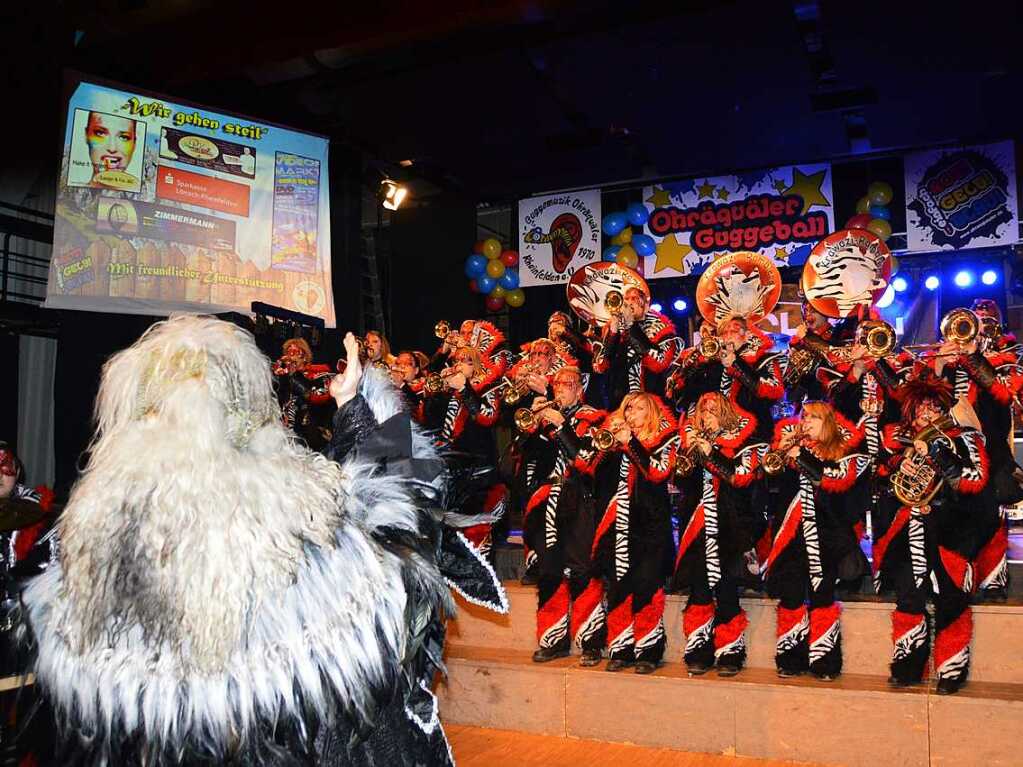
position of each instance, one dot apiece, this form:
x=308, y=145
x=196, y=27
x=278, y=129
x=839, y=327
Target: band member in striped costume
x=821, y=489
x=570, y=595
x=717, y=465
x=633, y=544
x=925, y=551
x=635, y=343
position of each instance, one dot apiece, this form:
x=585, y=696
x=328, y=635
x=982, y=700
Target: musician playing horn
x=925, y=544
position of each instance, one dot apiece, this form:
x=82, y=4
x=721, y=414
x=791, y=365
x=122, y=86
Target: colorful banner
x=961, y=198
x=164, y=207
x=779, y=213
x=558, y=234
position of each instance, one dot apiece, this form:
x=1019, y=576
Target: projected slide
x=165, y=207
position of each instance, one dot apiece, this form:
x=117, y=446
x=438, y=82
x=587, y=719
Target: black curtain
x=9, y=346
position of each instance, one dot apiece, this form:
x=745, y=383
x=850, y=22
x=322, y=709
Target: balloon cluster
x=491, y=271
x=872, y=211
x=627, y=248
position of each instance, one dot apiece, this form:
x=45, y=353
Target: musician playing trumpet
x=820, y=487
x=634, y=545
x=718, y=465
x=931, y=523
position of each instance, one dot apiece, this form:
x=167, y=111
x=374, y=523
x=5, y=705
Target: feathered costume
x=226, y=596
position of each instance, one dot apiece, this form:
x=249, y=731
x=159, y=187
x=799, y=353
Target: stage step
x=866, y=633
x=856, y=720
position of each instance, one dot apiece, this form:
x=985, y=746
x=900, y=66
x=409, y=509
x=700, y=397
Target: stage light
x=656, y=307
x=392, y=194
x=932, y=282
x=887, y=297
x=900, y=284
x=989, y=277
x=680, y=305
x=964, y=279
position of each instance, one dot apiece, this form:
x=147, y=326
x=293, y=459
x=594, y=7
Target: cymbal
x=16, y=513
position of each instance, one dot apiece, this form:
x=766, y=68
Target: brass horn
x=442, y=328
x=877, y=336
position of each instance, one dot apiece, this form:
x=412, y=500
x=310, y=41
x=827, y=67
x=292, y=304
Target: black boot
x=545, y=654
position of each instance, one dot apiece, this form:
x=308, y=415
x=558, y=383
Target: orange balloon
x=515, y=298
x=495, y=267
x=627, y=256
x=492, y=248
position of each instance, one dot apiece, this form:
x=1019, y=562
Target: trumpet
x=776, y=460
x=603, y=439
x=687, y=461
x=513, y=391
x=710, y=346
x=435, y=382
x=526, y=417
x=960, y=326
x=442, y=328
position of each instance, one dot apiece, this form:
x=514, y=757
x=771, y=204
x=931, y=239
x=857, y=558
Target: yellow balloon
x=895, y=265
x=492, y=249
x=499, y=292
x=515, y=298
x=880, y=227
x=627, y=257
x=495, y=267
x=879, y=193
x=624, y=237
x=863, y=206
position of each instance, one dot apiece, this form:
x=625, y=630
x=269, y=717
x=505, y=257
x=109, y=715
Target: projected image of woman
x=111, y=142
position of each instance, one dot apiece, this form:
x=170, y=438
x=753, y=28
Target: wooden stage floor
x=481, y=747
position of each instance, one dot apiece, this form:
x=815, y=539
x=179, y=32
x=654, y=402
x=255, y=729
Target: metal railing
x=25, y=236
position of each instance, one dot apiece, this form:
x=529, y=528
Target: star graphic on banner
x=670, y=254
x=660, y=198
x=706, y=189
x=723, y=193
x=808, y=187
x=781, y=255
x=779, y=185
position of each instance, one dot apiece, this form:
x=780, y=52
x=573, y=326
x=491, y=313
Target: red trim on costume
x=695, y=616
x=783, y=427
x=787, y=533
x=584, y=604
x=552, y=611
x=787, y=619
x=889, y=438
x=983, y=467
x=763, y=545
x=991, y=555
x=822, y=619
x=648, y=617
x=606, y=522
x=953, y=638
x=619, y=619
x=690, y=534
x=852, y=434
x=476, y=534
x=726, y=633
x=773, y=389
x=956, y=565
x=881, y=545
x=843, y=483
x=27, y=538
x=903, y=623
x=761, y=346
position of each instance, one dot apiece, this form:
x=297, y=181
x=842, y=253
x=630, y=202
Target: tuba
x=918, y=480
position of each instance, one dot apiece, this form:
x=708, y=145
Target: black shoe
x=788, y=673
x=545, y=654
x=894, y=681
x=728, y=669
x=999, y=594
x=590, y=658
x=528, y=579
x=948, y=686
x=616, y=664
x=697, y=669
x=824, y=676
x=645, y=667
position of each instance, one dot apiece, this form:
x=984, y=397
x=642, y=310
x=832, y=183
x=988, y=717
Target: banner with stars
x=780, y=212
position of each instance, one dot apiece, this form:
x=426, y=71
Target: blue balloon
x=637, y=214
x=611, y=252
x=509, y=280
x=880, y=211
x=485, y=283
x=643, y=244
x=614, y=223
x=475, y=265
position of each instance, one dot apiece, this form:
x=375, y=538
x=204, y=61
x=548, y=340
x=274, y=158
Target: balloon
x=491, y=248
x=863, y=205
x=880, y=193
x=515, y=298
x=478, y=247
x=614, y=223
x=627, y=257
x=475, y=265
x=494, y=303
x=859, y=221
x=485, y=283
x=881, y=228
x=637, y=214
x=498, y=291
x=611, y=252
x=644, y=245
x=895, y=266
x=495, y=268
x=510, y=258
x=880, y=211
x=509, y=280
x=474, y=287
x=624, y=237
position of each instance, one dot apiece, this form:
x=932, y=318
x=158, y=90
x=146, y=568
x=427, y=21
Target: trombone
x=960, y=326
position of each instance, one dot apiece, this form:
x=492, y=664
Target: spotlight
x=932, y=282
x=900, y=284
x=887, y=297
x=989, y=277
x=656, y=307
x=964, y=279
x=680, y=305
x=392, y=194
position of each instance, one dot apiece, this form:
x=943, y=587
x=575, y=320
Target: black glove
x=745, y=374
x=352, y=422
x=886, y=376
x=980, y=369
x=946, y=459
x=472, y=401
x=721, y=465
x=639, y=339
x=569, y=440
x=810, y=465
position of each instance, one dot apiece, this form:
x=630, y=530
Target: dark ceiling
x=504, y=98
